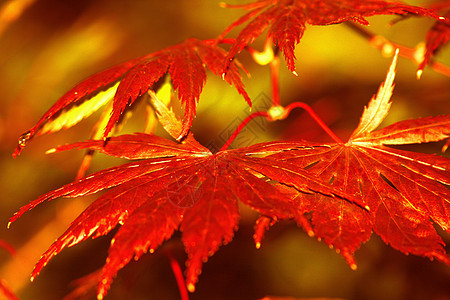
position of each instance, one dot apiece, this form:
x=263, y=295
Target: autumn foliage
x=338, y=192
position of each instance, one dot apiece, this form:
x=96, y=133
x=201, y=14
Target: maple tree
x=338, y=192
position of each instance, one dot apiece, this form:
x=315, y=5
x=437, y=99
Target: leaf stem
x=178, y=276
x=241, y=126
x=8, y=247
x=316, y=118
x=5, y=290
x=270, y=55
x=280, y=113
x=275, y=79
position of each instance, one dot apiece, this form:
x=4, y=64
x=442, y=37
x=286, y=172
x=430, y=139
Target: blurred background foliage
x=47, y=46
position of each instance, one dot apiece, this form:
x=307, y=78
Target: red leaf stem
x=241, y=126
x=176, y=269
x=275, y=79
x=316, y=118
x=8, y=247
x=5, y=290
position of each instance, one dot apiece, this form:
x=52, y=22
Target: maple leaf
x=124, y=83
x=438, y=36
x=287, y=20
x=175, y=186
x=404, y=190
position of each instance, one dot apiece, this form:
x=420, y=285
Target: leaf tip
x=258, y=245
x=22, y=142
x=24, y=138
x=50, y=151
x=419, y=74
x=180, y=137
x=349, y=258
x=378, y=108
x=395, y=57
x=17, y=151
x=445, y=147
x=191, y=287
x=103, y=288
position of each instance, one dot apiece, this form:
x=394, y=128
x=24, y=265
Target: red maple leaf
x=287, y=19
x=181, y=186
x=405, y=191
x=186, y=63
x=438, y=36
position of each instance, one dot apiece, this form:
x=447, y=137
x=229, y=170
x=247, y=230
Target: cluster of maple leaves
x=339, y=192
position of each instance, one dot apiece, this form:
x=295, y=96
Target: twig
x=387, y=49
x=316, y=118
x=241, y=126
